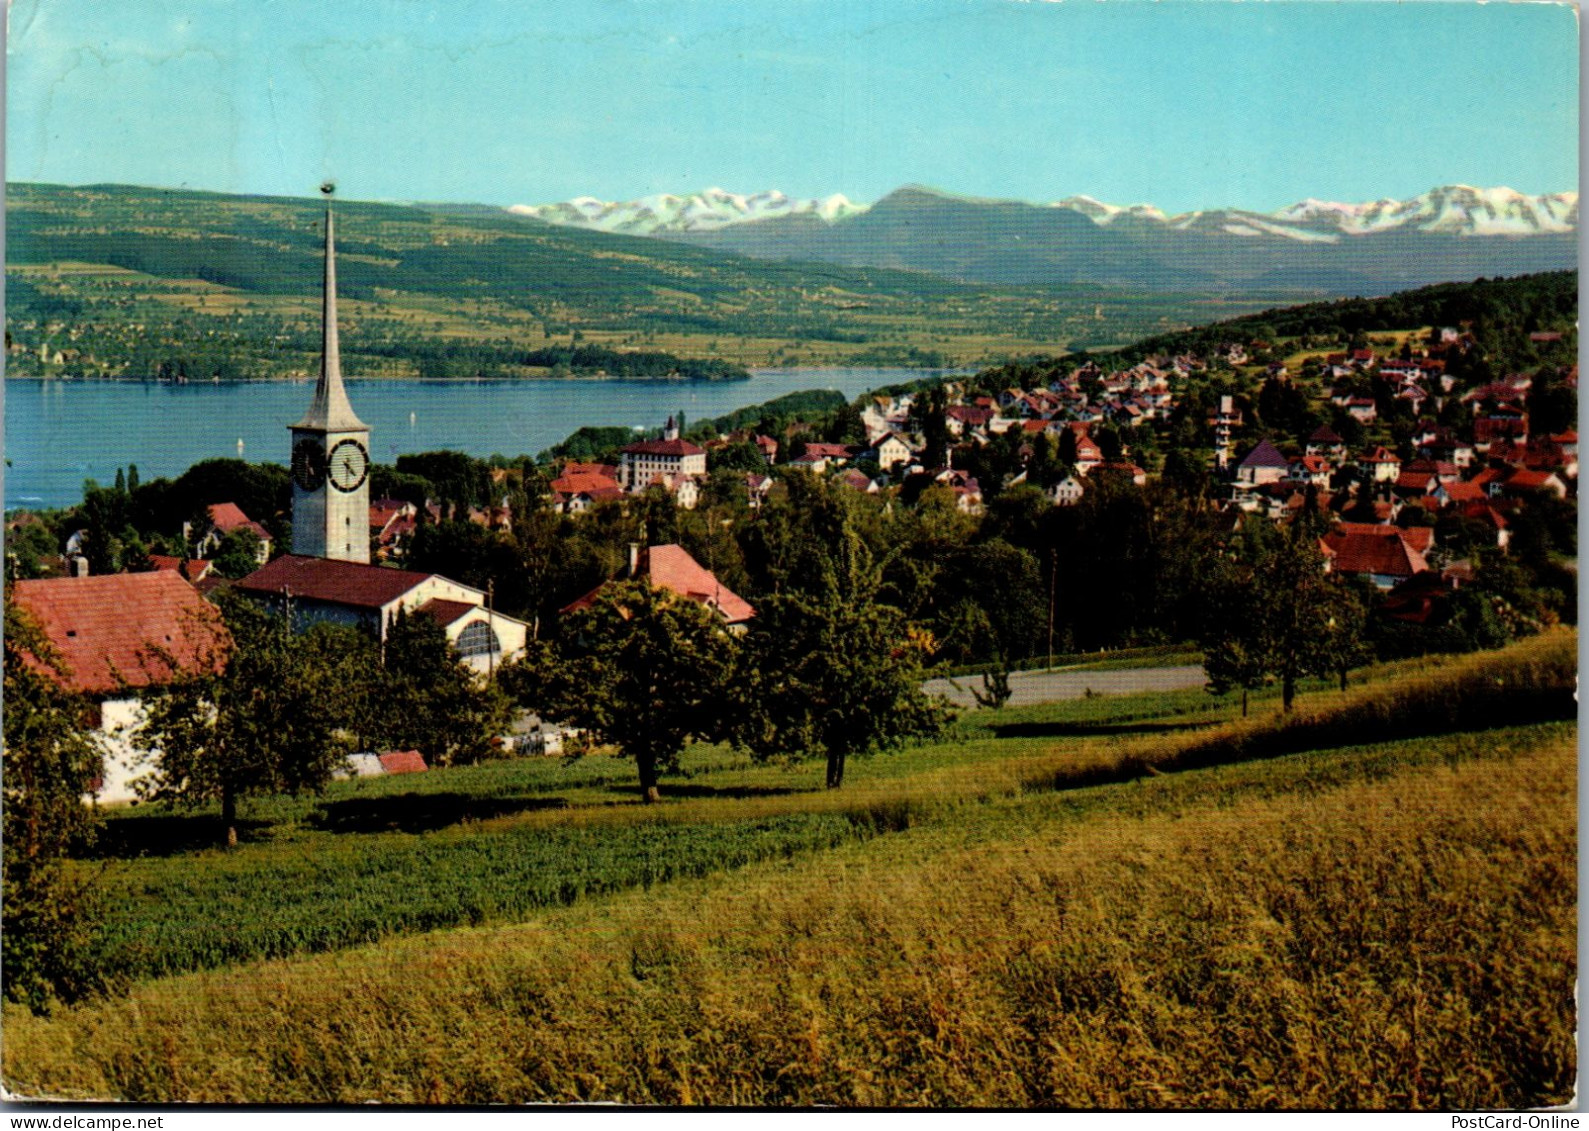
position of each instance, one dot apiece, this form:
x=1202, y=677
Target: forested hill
x=1503, y=312
x=206, y=284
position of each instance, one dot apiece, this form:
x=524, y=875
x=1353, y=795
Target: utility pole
x=1053, y=585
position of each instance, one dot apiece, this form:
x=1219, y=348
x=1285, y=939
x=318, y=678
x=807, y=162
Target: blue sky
x=1183, y=104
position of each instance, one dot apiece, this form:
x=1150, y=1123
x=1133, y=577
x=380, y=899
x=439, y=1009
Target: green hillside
x=120, y=280
x=1123, y=901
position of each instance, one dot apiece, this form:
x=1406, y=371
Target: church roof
x=329, y=410
x=337, y=582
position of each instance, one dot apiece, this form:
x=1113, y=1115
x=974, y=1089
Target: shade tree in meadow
x=50, y=759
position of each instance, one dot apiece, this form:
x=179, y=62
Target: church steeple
x=330, y=409
x=330, y=450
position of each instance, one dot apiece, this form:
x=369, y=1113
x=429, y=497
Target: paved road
x=1047, y=687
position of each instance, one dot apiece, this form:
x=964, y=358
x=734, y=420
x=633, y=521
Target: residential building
x=670, y=567
x=117, y=635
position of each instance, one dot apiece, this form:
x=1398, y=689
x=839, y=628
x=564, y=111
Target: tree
x=238, y=553
x=640, y=668
x=828, y=669
x=1273, y=612
x=431, y=701
x=50, y=759
x=272, y=718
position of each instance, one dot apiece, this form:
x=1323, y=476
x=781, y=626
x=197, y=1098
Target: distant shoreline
x=754, y=371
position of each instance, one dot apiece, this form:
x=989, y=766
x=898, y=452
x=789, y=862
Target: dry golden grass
x=1250, y=936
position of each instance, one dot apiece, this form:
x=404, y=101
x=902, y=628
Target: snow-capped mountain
x=1100, y=213
x=1460, y=209
x=1453, y=209
x=699, y=212
x=1448, y=233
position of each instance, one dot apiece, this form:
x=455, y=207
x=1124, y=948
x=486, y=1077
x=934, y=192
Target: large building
x=331, y=451
x=328, y=577
x=646, y=462
x=309, y=590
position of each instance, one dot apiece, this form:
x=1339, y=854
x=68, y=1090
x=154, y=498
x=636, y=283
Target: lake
x=59, y=433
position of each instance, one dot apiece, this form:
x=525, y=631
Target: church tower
x=331, y=451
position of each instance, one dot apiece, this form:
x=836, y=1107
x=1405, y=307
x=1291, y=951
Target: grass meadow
x=1135, y=901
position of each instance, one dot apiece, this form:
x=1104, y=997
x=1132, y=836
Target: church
x=328, y=576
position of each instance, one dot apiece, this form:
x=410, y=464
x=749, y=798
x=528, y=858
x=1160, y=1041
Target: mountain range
x=1448, y=233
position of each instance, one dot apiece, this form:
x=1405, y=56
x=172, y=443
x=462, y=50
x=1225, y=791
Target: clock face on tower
x=347, y=465
x=308, y=465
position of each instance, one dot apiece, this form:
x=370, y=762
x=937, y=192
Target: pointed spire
x=330, y=409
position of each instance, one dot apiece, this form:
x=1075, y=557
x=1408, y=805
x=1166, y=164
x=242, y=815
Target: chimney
x=634, y=560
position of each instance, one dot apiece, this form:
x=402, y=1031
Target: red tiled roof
x=402, y=762
x=831, y=451
x=671, y=568
x=383, y=511
x=1530, y=480
x=1418, y=538
x=587, y=482
x=1382, y=552
x=573, y=468
x=108, y=629
x=445, y=612
x=1324, y=434
x=227, y=517
x=664, y=448
x=1415, y=481
x=1462, y=492
x=194, y=569
x=322, y=579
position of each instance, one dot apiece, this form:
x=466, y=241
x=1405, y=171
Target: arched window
x=477, y=639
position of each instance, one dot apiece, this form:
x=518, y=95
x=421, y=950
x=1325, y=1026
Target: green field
x=1136, y=901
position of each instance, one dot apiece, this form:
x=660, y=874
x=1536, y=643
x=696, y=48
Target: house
x=1088, y=454
x=810, y=461
x=639, y=464
x=1384, y=463
x=116, y=635
x=1505, y=423
x=1523, y=482
x=1264, y=464
x=1310, y=469
x=1067, y=492
x=225, y=518
x=189, y=569
x=857, y=481
x=310, y=590
x=961, y=417
x=1381, y=553
x=1325, y=442
x=756, y=488
x=582, y=486
x=893, y=451
x=670, y=567
x=768, y=448
x=1362, y=409
x=1125, y=469
x=836, y=454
